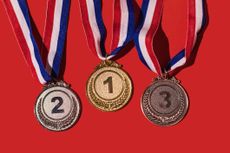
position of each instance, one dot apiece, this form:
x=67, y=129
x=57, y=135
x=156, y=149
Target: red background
x=205, y=128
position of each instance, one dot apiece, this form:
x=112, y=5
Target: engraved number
x=56, y=108
x=166, y=103
x=109, y=81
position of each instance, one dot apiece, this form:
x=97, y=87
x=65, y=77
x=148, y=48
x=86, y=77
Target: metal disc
x=109, y=88
x=165, y=102
x=57, y=107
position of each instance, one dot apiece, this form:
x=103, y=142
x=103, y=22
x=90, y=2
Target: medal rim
x=186, y=108
x=77, y=105
x=114, y=65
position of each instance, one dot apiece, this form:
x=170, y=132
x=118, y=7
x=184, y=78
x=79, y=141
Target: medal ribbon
x=152, y=12
x=54, y=36
x=123, y=26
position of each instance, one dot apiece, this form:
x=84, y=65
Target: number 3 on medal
x=166, y=103
x=109, y=81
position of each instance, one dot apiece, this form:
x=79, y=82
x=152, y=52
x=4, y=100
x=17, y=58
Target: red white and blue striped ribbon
x=54, y=36
x=151, y=13
x=123, y=27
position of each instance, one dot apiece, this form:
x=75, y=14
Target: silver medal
x=165, y=102
x=57, y=107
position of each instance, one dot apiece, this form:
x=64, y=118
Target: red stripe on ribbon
x=19, y=34
x=116, y=24
x=191, y=28
x=151, y=33
x=87, y=28
x=48, y=28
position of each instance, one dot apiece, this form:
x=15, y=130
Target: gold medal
x=109, y=88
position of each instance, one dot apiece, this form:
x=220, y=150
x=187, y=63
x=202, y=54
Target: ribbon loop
x=152, y=12
x=123, y=26
x=54, y=37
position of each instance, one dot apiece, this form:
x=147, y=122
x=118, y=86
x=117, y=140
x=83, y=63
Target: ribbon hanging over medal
x=109, y=88
x=57, y=107
x=165, y=102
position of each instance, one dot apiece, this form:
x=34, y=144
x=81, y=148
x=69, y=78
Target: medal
x=109, y=87
x=165, y=102
x=57, y=107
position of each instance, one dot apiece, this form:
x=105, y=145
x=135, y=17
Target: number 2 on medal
x=56, y=108
x=109, y=81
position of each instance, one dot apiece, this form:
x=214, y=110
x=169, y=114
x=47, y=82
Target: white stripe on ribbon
x=94, y=27
x=26, y=33
x=143, y=33
x=55, y=34
x=124, y=22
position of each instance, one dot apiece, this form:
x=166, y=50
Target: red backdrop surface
x=205, y=128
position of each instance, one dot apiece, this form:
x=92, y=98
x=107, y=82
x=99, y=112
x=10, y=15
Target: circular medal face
x=57, y=107
x=109, y=88
x=165, y=102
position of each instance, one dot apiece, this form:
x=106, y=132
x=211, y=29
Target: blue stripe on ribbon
x=142, y=19
x=24, y=7
x=61, y=38
x=204, y=20
x=131, y=22
x=101, y=26
x=175, y=59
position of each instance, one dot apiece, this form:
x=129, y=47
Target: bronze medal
x=165, y=102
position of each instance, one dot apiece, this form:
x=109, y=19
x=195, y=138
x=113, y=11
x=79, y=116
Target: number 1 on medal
x=109, y=81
